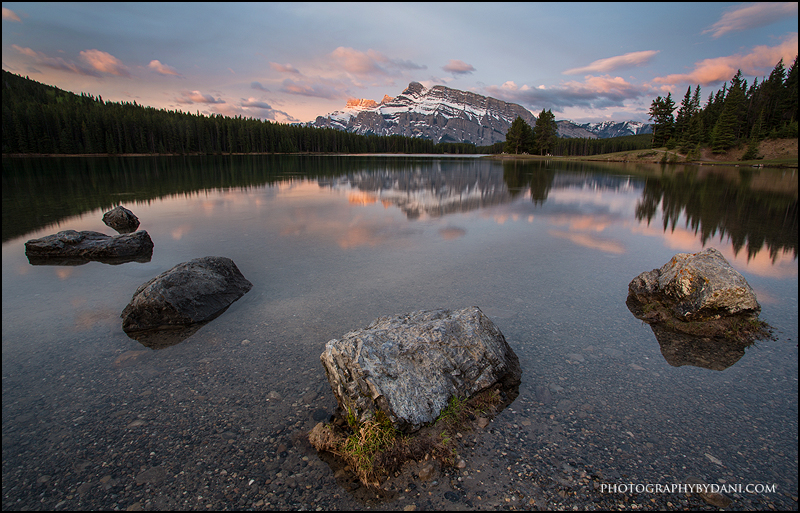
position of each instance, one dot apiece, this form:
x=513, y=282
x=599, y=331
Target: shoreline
x=628, y=156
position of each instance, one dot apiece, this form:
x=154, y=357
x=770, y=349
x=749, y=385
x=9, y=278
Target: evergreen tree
x=755, y=138
x=545, y=133
x=685, y=113
x=519, y=138
x=661, y=113
x=789, y=103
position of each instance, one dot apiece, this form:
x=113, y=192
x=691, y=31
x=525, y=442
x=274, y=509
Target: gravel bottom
x=206, y=425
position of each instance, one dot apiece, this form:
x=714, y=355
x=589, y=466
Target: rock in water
x=193, y=292
x=696, y=286
x=73, y=247
x=409, y=366
x=121, y=219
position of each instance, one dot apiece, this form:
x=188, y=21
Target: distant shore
x=776, y=153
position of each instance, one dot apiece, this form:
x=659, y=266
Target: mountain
x=440, y=114
x=603, y=130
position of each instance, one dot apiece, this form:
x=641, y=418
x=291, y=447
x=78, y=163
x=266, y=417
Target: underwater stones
x=121, y=219
x=193, y=292
x=408, y=366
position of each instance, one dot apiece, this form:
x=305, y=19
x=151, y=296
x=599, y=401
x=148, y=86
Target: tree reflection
x=726, y=203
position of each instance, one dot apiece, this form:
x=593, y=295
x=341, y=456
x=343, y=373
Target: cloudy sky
x=291, y=62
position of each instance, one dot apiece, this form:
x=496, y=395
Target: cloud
x=370, y=63
x=752, y=16
x=284, y=68
x=612, y=63
x=10, y=15
x=105, y=63
x=163, y=69
x=189, y=97
x=56, y=62
x=457, y=67
x=321, y=88
x=257, y=108
x=252, y=102
x=759, y=62
x=594, y=92
x=257, y=85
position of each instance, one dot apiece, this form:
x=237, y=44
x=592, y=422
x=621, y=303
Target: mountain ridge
x=440, y=113
x=444, y=114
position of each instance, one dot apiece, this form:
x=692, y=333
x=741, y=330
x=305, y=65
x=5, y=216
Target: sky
x=291, y=62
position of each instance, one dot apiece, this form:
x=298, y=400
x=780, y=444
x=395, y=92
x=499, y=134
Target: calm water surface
x=93, y=419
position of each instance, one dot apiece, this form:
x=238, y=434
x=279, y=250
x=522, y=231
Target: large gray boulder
x=696, y=287
x=409, y=366
x=73, y=247
x=193, y=292
x=121, y=219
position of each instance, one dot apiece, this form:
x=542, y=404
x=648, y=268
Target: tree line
x=734, y=115
x=43, y=119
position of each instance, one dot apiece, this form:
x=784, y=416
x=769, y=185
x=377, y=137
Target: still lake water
x=545, y=249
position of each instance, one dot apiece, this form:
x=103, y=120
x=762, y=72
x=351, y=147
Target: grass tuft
x=373, y=449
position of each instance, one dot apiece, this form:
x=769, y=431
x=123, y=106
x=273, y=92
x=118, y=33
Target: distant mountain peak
x=602, y=129
x=360, y=103
x=443, y=114
x=439, y=113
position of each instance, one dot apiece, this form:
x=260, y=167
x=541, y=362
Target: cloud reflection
x=588, y=241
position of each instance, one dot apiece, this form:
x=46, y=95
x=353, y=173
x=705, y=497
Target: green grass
x=373, y=449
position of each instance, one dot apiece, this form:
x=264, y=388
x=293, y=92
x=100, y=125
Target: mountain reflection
x=755, y=208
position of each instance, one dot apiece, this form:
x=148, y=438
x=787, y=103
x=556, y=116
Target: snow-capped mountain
x=603, y=130
x=443, y=114
x=440, y=113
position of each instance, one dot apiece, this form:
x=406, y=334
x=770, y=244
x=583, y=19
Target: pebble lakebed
x=157, y=431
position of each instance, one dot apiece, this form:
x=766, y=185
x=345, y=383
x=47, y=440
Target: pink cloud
x=759, y=62
x=320, y=88
x=751, y=16
x=458, y=67
x=10, y=15
x=163, y=69
x=284, y=68
x=359, y=63
x=370, y=62
x=189, y=97
x=55, y=62
x=612, y=63
x=594, y=92
x=105, y=62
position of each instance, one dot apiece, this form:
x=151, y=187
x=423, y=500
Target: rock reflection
x=76, y=260
x=714, y=352
x=166, y=337
x=680, y=349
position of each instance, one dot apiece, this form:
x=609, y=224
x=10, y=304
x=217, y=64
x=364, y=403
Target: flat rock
x=190, y=293
x=409, y=366
x=70, y=247
x=121, y=219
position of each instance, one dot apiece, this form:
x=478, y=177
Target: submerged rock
x=193, y=292
x=121, y=219
x=70, y=247
x=409, y=366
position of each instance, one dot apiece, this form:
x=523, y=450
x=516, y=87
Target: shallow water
x=93, y=419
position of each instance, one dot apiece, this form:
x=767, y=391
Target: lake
x=93, y=419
